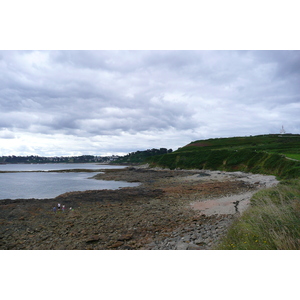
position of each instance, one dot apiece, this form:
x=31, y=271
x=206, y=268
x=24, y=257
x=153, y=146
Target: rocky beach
x=170, y=209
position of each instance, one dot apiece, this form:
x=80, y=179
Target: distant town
x=133, y=157
x=34, y=159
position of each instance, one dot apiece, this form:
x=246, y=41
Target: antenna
x=282, y=131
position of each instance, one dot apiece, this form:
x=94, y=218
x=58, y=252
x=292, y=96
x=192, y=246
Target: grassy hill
x=268, y=154
x=273, y=143
x=273, y=219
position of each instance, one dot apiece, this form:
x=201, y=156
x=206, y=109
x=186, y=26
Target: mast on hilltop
x=282, y=131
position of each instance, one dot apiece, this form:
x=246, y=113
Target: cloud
x=6, y=134
x=122, y=101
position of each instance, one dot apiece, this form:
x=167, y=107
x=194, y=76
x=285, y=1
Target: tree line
x=12, y=159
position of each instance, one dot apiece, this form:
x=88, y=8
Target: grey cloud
x=111, y=61
x=95, y=93
x=287, y=62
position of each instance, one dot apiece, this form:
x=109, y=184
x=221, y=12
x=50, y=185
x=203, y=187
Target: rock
x=199, y=241
x=186, y=238
x=125, y=237
x=194, y=237
x=116, y=245
x=92, y=239
x=172, y=244
x=127, y=248
x=152, y=244
x=194, y=247
x=203, y=174
x=181, y=246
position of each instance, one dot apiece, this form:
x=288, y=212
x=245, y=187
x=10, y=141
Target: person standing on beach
x=58, y=206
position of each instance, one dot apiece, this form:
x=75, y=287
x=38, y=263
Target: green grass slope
x=266, y=154
x=272, y=222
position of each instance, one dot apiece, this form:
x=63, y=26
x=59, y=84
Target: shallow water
x=43, y=185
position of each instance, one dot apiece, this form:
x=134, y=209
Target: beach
x=170, y=209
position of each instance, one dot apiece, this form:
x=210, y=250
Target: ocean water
x=41, y=185
x=48, y=167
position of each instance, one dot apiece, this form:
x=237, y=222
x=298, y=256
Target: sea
x=30, y=183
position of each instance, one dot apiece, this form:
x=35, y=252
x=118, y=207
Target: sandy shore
x=179, y=209
x=231, y=204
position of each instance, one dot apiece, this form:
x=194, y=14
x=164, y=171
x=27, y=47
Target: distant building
x=282, y=131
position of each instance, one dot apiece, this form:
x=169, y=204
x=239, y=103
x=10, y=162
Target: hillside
x=273, y=143
x=269, y=154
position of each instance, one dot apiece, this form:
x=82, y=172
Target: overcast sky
x=114, y=102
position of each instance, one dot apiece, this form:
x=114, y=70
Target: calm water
x=47, y=167
x=48, y=185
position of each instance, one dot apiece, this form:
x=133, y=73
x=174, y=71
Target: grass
x=265, y=154
x=271, y=223
x=246, y=160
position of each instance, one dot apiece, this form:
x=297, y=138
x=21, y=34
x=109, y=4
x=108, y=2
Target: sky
x=61, y=103
x=83, y=78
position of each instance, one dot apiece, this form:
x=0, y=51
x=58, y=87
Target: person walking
x=54, y=209
x=58, y=206
x=63, y=208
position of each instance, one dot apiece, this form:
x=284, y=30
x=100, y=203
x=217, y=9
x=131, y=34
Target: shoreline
x=170, y=209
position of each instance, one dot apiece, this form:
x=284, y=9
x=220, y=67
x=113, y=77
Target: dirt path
x=236, y=203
